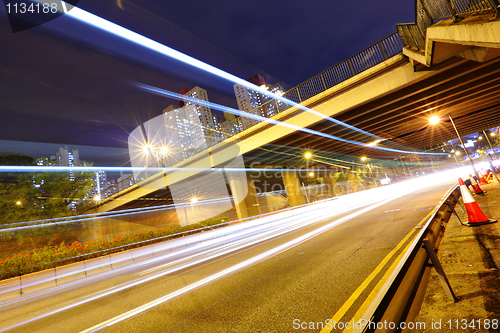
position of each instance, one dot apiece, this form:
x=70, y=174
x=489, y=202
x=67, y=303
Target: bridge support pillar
x=354, y=182
x=292, y=187
x=330, y=182
x=244, y=196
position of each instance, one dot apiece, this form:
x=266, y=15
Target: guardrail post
x=458, y=202
x=298, y=94
x=439, y=270
x=383, y=50
x=454, y=212
x=350, y=65
x=323, y=80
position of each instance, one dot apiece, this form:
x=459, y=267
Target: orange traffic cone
x=475, y=186
x=474, y=213
x=481, y=178
x=489, y=177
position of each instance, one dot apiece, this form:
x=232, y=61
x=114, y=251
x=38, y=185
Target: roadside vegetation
x=38, y=259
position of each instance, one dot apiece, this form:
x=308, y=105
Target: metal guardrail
x=428, y=11
x=361, y=61
x=401, y=297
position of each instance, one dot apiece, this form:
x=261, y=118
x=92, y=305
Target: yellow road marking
x=362, y=309
x=354, y=296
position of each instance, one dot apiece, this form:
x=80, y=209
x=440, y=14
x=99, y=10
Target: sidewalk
x=470, y=257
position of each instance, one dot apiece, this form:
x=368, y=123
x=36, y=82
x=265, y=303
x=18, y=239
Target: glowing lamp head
x=311, y=174
x=457, y=153
x=19, y=203
x=194, y=200
x=146, y=149
x=164, y=150
x=308, y=155
x=97, y=198
x=364, y=158
x=434, y=120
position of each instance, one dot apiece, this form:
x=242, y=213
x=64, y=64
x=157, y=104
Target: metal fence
x=428, y=11
x=361, y=61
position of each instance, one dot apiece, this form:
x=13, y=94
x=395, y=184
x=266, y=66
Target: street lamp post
x=193, y=201
x=463, y=145
x=454, y=151
x=489, y=143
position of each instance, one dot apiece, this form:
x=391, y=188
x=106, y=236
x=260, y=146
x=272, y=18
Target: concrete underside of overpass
x=457, y=74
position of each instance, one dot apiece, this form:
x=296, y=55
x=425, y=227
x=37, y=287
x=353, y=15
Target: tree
x=34, y=196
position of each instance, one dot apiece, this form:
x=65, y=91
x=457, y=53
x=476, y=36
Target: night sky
x=65, y=83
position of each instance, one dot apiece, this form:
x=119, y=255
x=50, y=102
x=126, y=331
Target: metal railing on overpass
x=361, y=61
x=401, y=297
x=427, y=12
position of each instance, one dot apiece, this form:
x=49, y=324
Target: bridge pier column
x=354, y=182
x=330, y=182
x=293, y=189
x=244, y=196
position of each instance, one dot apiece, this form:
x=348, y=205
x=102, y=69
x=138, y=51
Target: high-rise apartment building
x=67, y=157
x=210, y=124
x=185, y=134
x=254, y=102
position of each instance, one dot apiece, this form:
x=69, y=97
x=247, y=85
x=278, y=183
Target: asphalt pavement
x=282, y=287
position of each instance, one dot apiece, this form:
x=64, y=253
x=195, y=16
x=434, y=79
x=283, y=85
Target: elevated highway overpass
x=454, y=71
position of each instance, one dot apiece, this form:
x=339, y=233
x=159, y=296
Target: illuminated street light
x=164, y=150
x=492, y=134
x=97, y=198
x=479, y=137
x=194, y=200
x=311, y=174
x=308, y=155
x=457, y=153
x=364, y=158
x=19, y=203
x=434, y=120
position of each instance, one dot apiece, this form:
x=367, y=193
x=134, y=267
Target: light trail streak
x=310, y=213
x=163, y=92
x=213, y=239
x=22, y=168
x=90, y=218
x=256, y=259
x=115, y=29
